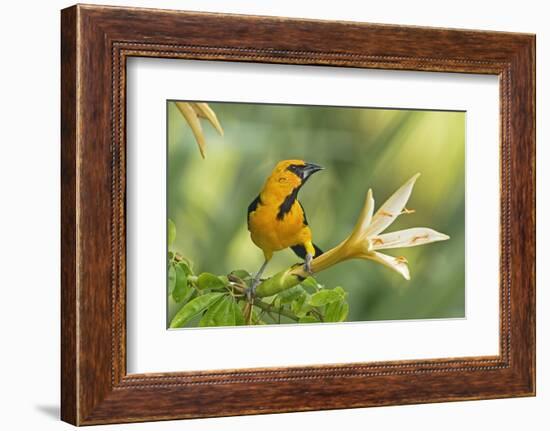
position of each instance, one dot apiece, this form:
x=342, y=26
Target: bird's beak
x=309, y=169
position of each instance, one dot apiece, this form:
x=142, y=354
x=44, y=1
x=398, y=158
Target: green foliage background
x=359, y=148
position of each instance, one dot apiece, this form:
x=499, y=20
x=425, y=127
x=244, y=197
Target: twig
x=269, y=308
x=247, y=313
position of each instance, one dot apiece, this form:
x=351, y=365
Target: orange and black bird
x=276, y=218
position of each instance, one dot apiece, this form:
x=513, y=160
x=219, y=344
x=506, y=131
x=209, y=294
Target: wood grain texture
x=96, y=42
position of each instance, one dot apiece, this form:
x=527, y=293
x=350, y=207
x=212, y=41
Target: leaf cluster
x=207, y=300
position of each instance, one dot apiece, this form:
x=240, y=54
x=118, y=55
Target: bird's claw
x=307, y=264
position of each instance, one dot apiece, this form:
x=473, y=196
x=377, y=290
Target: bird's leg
x=307, y=265
x=251, y=291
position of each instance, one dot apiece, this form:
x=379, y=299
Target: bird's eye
x=282, y=180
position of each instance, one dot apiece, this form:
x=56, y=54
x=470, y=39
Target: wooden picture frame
x=96, y=41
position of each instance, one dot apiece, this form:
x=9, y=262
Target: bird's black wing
x=300, y=251
x=251, y=208
x=304, y=212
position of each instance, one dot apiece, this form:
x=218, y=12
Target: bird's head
x=290, y=175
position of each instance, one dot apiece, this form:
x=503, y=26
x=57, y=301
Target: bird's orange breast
x=271, y=233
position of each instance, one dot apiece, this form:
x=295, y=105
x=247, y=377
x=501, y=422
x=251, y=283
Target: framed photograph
x=317, y=215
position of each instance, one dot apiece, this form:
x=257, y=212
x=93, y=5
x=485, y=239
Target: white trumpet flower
x=367, y=237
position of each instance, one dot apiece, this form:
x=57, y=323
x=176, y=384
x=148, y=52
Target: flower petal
x=365, y=218
x=392, y=208
x=191, y=117
x=203, y=110
x=406, y=238
x=398, y=264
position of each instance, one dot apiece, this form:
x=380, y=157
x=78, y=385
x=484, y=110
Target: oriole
x=277, y=220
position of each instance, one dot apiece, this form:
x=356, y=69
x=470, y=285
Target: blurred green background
x=359, y=148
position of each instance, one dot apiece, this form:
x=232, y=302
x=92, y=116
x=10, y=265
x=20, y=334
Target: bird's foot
x=307, y=264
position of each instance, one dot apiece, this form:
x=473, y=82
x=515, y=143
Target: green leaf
x=311, y=283
x=341, y=291
x=256, y=320
x=194, y=308
x=209, y=281
x=324, y=297
x=222, y=313
x=242, y=274
x=182, y=289
x=289, y=295
x=239, y=318
x=185, y=266
x=308, y=319
x=336, y=311
x=171, y=278
x=300, y=306
x=171, y=232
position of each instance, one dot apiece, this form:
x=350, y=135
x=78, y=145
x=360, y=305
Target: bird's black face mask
x=305, y=171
